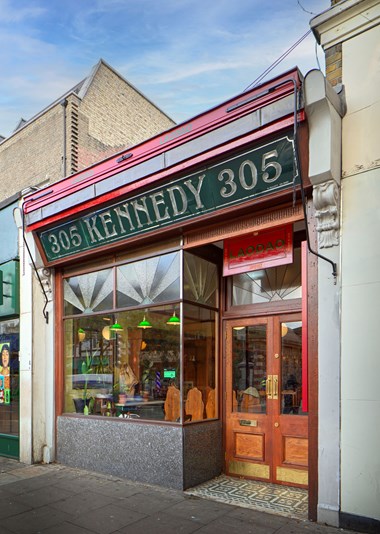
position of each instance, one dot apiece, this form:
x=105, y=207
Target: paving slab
x=161, y=523
x=107, y=519
x=65, y=528
x=54, y=499
x=198, y=510
x=34, y=521
x=41, y=496
x=154, y=502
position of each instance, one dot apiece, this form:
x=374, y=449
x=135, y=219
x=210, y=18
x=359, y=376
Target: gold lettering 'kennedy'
x=146, y=211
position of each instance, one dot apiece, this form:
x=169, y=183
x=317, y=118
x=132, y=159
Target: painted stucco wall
x=351, y=30
x=360, y=365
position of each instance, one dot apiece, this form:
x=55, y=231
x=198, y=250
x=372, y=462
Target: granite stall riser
x=164, y=455
x=203, y=452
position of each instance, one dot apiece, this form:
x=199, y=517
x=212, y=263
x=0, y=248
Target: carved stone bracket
x=45, y=278
x=326, y=202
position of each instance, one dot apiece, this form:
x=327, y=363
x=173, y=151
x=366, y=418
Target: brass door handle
x=269, y=387
x=275, y=386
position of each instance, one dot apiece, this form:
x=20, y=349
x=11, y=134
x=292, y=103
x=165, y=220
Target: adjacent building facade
x=350, y=35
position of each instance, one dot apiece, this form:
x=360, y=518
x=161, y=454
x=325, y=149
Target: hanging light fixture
x=116, y=327
x=144, y=324
x=81, y=334
x=174, y=320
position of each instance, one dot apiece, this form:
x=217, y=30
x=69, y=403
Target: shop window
x=149, y=281
x=89, y=292
x=123, y=371
x=9, y=377
x=199, y=363
x=200, y=280
x=268, y=285
x=142, y=359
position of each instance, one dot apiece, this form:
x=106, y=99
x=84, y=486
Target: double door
x=266, y=418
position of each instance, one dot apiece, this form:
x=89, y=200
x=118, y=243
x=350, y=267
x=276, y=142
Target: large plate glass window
x=134, y=348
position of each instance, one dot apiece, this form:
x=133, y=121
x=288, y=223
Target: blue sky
x=185, y=55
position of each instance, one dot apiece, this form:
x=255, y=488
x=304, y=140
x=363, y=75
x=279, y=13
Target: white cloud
x=9, y=13
x=185, y=55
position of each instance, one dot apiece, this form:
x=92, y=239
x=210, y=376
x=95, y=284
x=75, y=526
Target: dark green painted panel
x=249, y=175
x=9, y=288
x=9, y=446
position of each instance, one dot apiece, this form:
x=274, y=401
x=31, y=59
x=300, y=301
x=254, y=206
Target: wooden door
x=266, y=425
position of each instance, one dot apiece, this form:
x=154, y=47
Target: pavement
x=54, y=499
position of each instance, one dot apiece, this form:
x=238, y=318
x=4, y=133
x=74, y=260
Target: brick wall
x=32, y=155
x=118, y=122
x=111, y=116
x=333, y=57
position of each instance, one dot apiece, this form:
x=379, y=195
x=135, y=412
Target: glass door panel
x=249, y=348
x=291, y=368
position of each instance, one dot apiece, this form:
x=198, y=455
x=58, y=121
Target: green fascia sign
x=261, y=171
x=9, y=288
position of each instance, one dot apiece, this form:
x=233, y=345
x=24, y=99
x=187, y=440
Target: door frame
x=309, y=309
x=265, y=434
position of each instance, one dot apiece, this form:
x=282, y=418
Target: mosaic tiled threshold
x=261, y=496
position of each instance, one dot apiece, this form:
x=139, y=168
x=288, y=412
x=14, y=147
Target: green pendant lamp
x=174, y=320
x=144, y=324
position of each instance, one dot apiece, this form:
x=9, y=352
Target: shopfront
x=182, y=284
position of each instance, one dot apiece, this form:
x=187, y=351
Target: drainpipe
x=64, y=106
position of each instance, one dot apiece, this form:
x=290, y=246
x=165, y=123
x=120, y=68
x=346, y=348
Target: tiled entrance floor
x=271, y=498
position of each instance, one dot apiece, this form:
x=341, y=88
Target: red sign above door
x=258, y=250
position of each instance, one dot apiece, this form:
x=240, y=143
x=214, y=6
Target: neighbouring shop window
x=152, y=355
x=268, y=285
x=9, y=377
